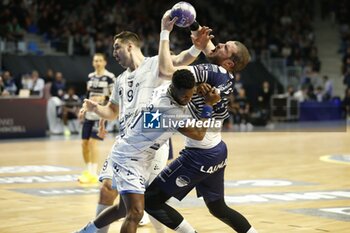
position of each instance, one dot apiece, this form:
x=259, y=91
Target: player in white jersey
x=201, y=164
x=132, y=154
x=133, y=88
x=99, y=88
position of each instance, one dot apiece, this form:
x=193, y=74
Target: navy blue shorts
x=200, y=168
x=90, y=130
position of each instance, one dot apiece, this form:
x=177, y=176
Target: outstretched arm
x=169, y=64
x=195, y=31
x=199, y=41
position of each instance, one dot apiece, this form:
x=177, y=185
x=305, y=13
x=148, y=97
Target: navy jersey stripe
x=219, y=78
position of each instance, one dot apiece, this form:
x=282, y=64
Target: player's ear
x=130, y=45
x=228, y=64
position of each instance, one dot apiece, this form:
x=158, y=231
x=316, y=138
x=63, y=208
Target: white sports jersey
x=138, y=143
x=133, y=89
x=99, y=88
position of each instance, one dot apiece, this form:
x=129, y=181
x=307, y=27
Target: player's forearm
x=166, y=67
x=210, y=46
x=106, y=112
x=186, y=57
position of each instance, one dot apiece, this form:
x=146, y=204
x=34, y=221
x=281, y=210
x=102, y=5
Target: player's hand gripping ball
x=185, y=13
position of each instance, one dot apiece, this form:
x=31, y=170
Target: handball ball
x=185, y=13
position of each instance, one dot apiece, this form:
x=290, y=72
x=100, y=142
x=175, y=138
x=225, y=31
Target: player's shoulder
x=210, y=67
x=109, y=74
x=92, y=74
x=150, y=61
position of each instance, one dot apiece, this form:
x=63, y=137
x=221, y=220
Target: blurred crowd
x=273, y=26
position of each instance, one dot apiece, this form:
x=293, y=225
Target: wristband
x=194, y=26
x=206, y=111
x=164, y=35
x=194, y=52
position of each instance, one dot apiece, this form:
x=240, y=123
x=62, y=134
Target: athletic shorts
x=90, y=130
x=140, y=171
x=195, y=167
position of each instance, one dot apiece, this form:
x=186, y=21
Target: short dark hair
x=125, y=36
x=183, y=79
x=101, y=55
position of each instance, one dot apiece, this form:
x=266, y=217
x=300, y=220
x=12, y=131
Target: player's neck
x=100, y=72
x=137, y=59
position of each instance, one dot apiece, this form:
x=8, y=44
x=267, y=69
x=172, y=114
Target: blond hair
x=241, y=58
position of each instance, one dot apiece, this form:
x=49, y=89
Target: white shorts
x=136, y=175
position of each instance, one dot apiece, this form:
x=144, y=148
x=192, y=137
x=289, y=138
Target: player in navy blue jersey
x=201, y=164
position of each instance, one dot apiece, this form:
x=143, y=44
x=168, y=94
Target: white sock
x=184, y=227
x=99, y=209
x=93, y=170
x=158, y=226
x=252, y=230
x=89, y=228
x=89, y=167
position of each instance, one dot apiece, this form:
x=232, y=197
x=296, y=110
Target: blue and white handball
x=185, y=13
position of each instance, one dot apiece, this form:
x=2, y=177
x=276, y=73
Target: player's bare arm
x=196, y=32
x=168, y=64
x=199, y=42
x=108, y=112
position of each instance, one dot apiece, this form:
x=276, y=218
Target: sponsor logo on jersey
x=182, y=181
x=214, y=168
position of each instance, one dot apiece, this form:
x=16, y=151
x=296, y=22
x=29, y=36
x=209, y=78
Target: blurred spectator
x=238, y=83
x=346, y=78
x=71, y=106
x=243, y=116
x=233, y=111
x=48, y=83
x=25, y=81
x=319, y=94
x=314, y=60
x=2, y=86
x=290, y=92
x=49, y=77
x=302, y=94
x=36, y=84
x=15, y=31
x=328, y=88
x=58, y=86
x=346, y=103
x=265, y=95
x=10, y=87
